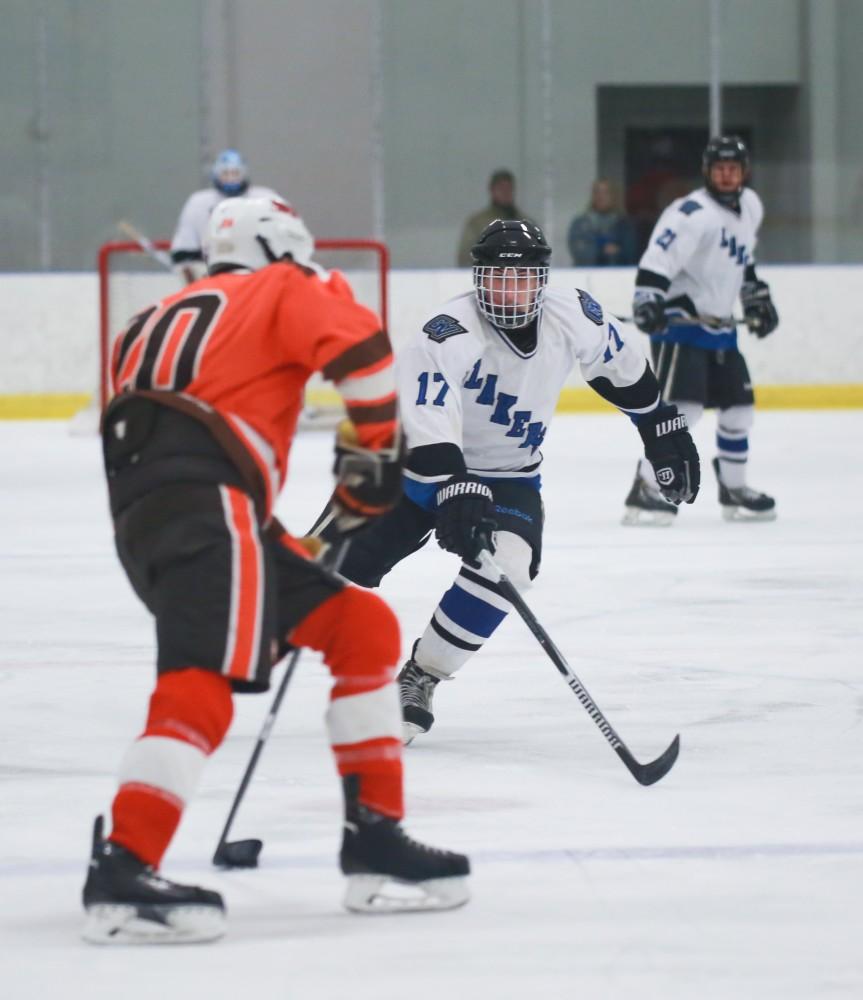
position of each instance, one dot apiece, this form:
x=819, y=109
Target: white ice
x=740, y=875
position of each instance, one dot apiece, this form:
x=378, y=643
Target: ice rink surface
x=740, y=875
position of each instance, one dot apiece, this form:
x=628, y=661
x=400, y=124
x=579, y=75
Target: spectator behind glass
x=603, y=236
x=501, y=188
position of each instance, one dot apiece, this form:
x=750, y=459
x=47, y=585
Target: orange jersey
x=245, y=344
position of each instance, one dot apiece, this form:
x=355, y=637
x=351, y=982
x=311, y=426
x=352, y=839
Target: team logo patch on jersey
x=443, y=326
x=690, y=206
x=590, y=307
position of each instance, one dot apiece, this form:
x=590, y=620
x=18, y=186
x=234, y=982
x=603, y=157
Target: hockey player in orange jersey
x=208, y=385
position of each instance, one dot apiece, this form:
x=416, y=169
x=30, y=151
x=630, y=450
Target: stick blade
x=238, y=854
x=649, y=774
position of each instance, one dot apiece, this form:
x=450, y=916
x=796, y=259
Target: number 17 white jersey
x=463, y=382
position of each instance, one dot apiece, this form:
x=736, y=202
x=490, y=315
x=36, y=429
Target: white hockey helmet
x=253, y=232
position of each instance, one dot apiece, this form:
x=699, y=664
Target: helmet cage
x=510, y=297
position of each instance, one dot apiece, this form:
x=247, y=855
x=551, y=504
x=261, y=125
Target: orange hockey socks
x=361, y=642
x=190, y=712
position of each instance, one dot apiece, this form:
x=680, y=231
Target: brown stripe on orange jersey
x=368, y=352
x=377, y=412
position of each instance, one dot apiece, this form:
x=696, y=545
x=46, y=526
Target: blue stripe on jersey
x=731, y=444
x=471, y=613
x=699, y=336
x=422, y=494
x=535, y=482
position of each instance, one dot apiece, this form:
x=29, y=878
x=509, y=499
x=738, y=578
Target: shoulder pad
x=590, y=307
x=690, y=206
x=442, y=327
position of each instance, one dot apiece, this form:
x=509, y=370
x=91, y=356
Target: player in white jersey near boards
x=700, y=258
x=230, y=177
x=478, y=387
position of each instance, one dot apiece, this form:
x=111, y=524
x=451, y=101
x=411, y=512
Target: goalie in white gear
x=700, y=258
x=478, y=386
x=229, y=175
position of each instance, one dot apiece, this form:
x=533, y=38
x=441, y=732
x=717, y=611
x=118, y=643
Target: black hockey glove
x=648, y=312
x=758, y=309
x=368, y=483
x=672, y=453
x=465, y=518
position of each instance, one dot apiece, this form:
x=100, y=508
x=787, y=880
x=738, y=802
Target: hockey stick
x=644, y=774
x=710, y=322
x=146, y=244
x=245, y=853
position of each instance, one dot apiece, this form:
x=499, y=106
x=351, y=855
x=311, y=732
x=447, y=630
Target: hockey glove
x=648, y=312
x=465, y=518
x=368, y=483
x=672, y=453
x=758, y=309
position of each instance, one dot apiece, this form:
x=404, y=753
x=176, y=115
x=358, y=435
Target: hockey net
x=130, y=279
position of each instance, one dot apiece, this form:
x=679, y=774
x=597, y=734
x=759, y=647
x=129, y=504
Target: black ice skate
x=416, y=690
x=388, y=872
x=744, y=503
x=646, y=505
x=128, y=902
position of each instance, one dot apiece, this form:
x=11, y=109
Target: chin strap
x=268, y=253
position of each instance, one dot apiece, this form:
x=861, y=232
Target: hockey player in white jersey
x=230, y=177
x=700, y=258
x=478, y=387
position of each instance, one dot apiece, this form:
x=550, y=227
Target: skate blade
x=741, y=515
x=648, y=518
x=381, y=894
x=125, y=924
x=410, y=730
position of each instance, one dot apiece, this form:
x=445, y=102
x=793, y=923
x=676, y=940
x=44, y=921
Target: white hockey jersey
x=188, y=240
x=463, y=382
x=704, y=249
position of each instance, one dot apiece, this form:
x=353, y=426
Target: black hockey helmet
x=510, y=272
x=511, y=243
x=724, y=149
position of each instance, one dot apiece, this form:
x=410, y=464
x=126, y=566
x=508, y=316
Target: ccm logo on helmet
x=510, y=255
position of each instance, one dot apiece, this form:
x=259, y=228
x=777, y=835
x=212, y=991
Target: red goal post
x=366, y=264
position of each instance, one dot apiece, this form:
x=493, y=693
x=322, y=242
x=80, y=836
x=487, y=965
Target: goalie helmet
x=229, y=173
x=510, y=272
x=725, y=149
x=250, y=233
